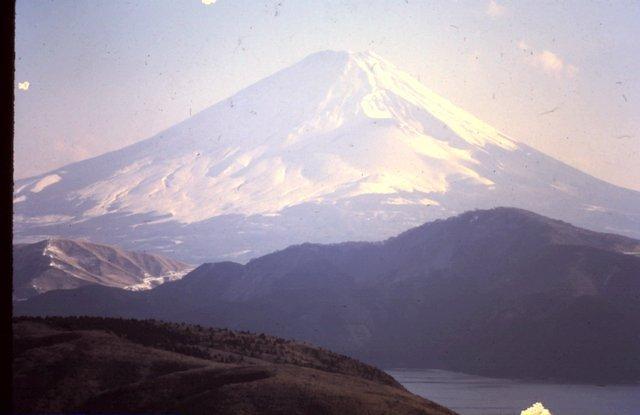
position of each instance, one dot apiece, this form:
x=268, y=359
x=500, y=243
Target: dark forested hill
x=96, y=365
x=501, y=292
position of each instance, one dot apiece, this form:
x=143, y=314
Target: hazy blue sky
x=563, y=77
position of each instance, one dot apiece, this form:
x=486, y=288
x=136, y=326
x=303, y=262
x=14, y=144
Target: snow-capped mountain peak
x=334, y=129
x=357, y=126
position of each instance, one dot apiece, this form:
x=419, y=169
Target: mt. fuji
x=340, y=146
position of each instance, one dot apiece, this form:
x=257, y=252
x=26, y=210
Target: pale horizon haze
x=562, y=77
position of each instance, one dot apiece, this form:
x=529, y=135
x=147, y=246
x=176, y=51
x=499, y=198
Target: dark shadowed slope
x=501, y=292
x=94, y=365
x=63, y=264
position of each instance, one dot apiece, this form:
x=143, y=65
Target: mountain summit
x=338, y=146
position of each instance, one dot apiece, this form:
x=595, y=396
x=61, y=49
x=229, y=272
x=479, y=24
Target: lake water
x=474, y=395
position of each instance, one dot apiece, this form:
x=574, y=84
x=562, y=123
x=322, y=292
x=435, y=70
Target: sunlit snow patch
x=149, y=281
x=45, y=182
x=373, y=106
x=594, y=208
x=404, y=201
